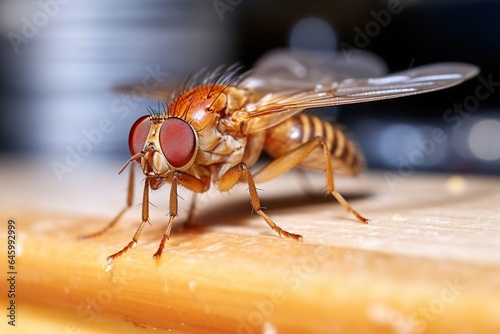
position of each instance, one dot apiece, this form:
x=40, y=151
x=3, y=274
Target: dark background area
x=61, y=59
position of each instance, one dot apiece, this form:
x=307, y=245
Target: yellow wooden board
x=429, y=262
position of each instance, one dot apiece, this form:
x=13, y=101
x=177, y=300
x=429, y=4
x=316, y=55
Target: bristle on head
x=222, y=75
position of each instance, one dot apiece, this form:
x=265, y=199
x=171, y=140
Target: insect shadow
x=237, y=212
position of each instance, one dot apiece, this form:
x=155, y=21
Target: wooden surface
x=429, y=261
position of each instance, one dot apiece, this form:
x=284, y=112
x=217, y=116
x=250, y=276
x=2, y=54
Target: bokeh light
x=313, y=33
x=484, y=139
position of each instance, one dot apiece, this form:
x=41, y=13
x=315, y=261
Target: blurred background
x=60, y=60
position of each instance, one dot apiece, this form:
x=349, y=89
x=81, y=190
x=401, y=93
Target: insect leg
x=172, y=214
x=145, y=218
x=192, y=207
x=232, y=176
x=130, y=198
x=192, y=183
x=290, y=159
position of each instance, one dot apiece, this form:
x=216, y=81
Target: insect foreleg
x=290, y=159
x=192, y=207
x=130, y=198
x=192, y=183
x=232, y=176
x=145, y=218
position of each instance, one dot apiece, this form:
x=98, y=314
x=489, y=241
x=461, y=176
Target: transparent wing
x=282, y=70
x=275, y=106
x=276, y=71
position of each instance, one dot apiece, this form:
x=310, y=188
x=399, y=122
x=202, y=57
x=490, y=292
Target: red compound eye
x=138, y=134
x=178, y=142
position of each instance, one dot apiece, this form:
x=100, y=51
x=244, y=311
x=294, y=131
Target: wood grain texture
x=429, y=262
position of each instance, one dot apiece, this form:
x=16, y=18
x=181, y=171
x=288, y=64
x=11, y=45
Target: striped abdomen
x=301, y=128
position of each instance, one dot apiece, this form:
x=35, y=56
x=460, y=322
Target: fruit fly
x=214, y=127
